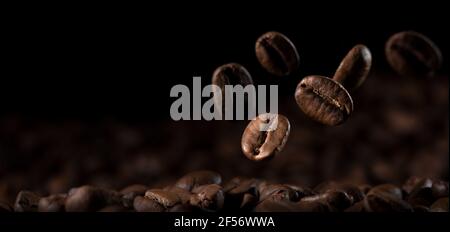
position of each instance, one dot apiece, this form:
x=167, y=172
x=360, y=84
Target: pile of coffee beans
x=204, y=191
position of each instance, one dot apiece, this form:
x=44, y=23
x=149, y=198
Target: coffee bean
x=165, y=198
x=301, y=191
x=198, y=178
x=241, y=193
x=421, y=193
x=337, y=200
x=4, y=207
x=229, y=74
x=143, y=204
x=441, y=205
x=387, y=189
x=412, y=54
x=354, y=68
x=274, y=205
x=439, y=189
x=132, y=191
x=324, y=100
x=89, y=198
x=26, y=201
x=53, y=203
x=411, y=183
x=355, y=193
x=208, y=197
x=183, y=194
x=277, y=54
x=265, y=136
x=279, y=192
x=386, y=198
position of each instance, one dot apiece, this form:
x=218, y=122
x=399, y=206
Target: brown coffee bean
x=183, y=194
x=277, y=54
x=301, y=191
x=353, y=191
x=421, y=193
x=411, y=183
x=113, y=209
x=279, y=192
x=387, y=189
x=385, y=202
x=4, y=207
x=265, y=136
x=198, y=178
x=143, y=204
x=441, y=205
x=439, y=189
x=26, y=201
x=208, y=197
x=89, y=198
x=412, y=54
x=354, y=68
x=274, y=205
x=337, y=200
x=241, y=193
x=165, y=198
x=132, y=191
x=324, y=100
x=53, y=203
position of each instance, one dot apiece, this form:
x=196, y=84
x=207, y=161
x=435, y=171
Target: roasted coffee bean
x=183, y=194
x=385, y=202
x=412, y=54
x=441, y=205
x=277, y=54
x=5, y=207
x=279, y=192
x=421, y=193
x=265, y=136
x=354, y=68
x=241, y=193
x=353, y=191
x=198, y=178
x=132, y=191
x=165, y=198
x=229, y=74
x=208, y=197
x=248, y=201
x=324, y=100
x=387, y=189
x=336, y=199
x=301, y=191
x=26, y=201
x=439, y=189
x=113, y=209
x=89, y=198
x=143, y=204
x=53, y=203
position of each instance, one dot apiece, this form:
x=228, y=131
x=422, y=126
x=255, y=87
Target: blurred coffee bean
x=26, y=201
x=324, y=100
x=365, y=188
x=53, y=203
x=113, y=209
x=412, y=54
x=164, y=198
x=354, y=68
x=4, y=207
x=208, y=197
x=132, y=191
x=411, y=183
x=143, y=204
x=387, y=189
x=197, y=178
x=421, y=194
x=439, y=189
x=89, y=198
x=277, y=54
x=441, y=205
x=301, y=191
x=265, y=136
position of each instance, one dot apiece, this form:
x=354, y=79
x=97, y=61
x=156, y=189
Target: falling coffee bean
x=412, y=54
x=197, y=178
x=265, y=136
x=324, y=100
x=277, y=54
x=26, y=201
x=354, y=68
x=53, y=203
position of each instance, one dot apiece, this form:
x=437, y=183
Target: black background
x=105, y=60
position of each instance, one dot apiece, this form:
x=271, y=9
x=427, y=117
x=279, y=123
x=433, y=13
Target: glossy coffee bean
x=208, y=197
x=411, y=183
x=89, y=198
x=441, y=205
x=301, y=191
x=197, y=178
x=324, y=100
x=165, y=198
x=412, y=54
x=354, y=68
x=53, y=203
x=5, y=207
x=230, y=74
x=143, y=204
x=26, y=201
x=265, y=136
x=132, y=191
x=277, y=54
